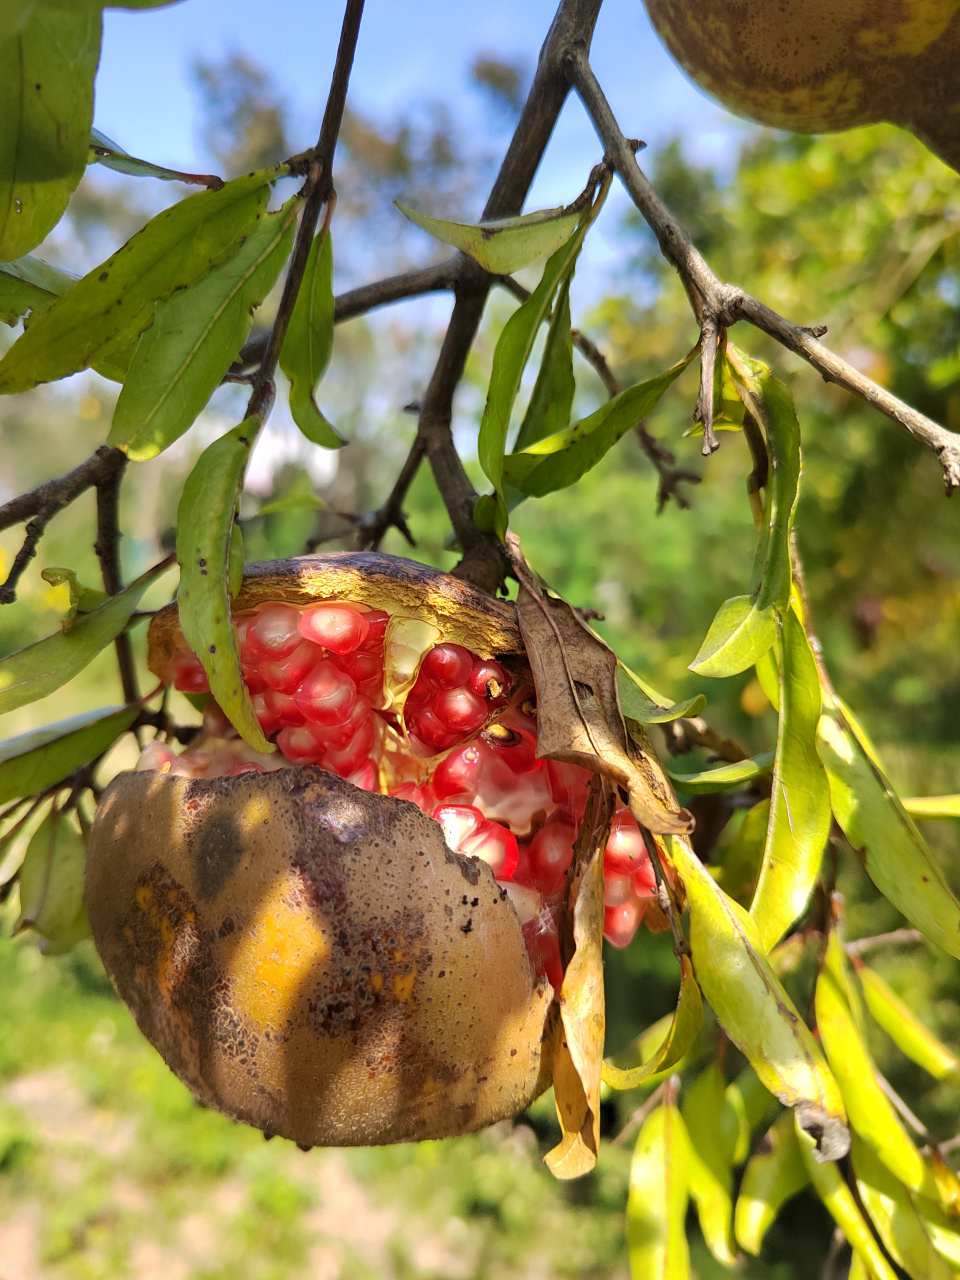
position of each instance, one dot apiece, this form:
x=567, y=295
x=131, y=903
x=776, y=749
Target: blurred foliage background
x=107, y=1166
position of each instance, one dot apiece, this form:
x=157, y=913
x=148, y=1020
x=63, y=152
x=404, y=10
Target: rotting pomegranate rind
x=311, y=959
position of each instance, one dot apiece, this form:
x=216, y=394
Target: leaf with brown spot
x=578, y=1060
x=578, y=706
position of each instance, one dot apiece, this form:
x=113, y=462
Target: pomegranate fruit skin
x=311, y=959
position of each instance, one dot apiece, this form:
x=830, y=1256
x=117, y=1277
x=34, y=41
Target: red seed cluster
x=467, y=741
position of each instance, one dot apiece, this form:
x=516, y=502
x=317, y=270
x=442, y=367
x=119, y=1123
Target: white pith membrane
x=383, y=702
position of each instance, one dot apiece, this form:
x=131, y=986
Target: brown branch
x=722, y=304
x=683, y=735
x=703, y=413
x=897, y=937
x=107, y=547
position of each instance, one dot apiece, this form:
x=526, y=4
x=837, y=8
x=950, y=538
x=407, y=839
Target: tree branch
x=107, y=547
x=716, y=303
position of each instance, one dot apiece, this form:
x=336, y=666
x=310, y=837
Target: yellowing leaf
x=905, y=1029
x=932, y=807
x=31, y=762
x=774, y=1175
x=504, y=246
x=897, y=1222
x=665, y=1044
x=51, y=878
x=738, y=637
x=657, y=1203
x=725, y=777
x=639, y=701
x=711, y=1171
x=753, y=1008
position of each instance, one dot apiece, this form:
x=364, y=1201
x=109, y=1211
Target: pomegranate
x=309, y=951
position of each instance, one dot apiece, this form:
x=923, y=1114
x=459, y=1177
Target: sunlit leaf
x=196, y=335
x=883, y=835
x=112, y=156
x=738, y=637
x=739, y=870
x=932, y=807
x=639, y=701
x=748, y=1106
x=82, y=599
x=111, y=305
x=657, y=1203
x=711, y=1171
x=552, y=398
x=204, y=525
x=561, y=459
x=51, y=878
x=29, y=284
x=838, y=1198
x=48, y=59
x=897, y=1222
x=664, y=1045
x=31, y=762
x=308, y=345
x=504, y=246
x=904, y=1027
x=754, y=1009
x=40, y=668
x=774, y=1175
x=800, y=799
x=725, y=777
x=871, y=1113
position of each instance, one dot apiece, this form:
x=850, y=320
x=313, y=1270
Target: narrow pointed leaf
x=754, y=1009
x=905, y=1029
x=739, y=871
x=657, y=1202
x=739, y=636
x=40, y=668
x=772, y=1177
x=883, y=835
x=800, y=801
x=942, y=1227
x=48, y=60
x=31, y=762
x=897, y=1222
x=504, y=246
x=748, y=1106
x=561, y=459
x=112, y=156
x=29, y=284
x=726, y=777
x=838, y=1198
x=204, y=526
x=112, y=304
x=552, y=400
x=308, y=345
x=642, y=703
x=932, y=807
x=711, y=1171
x=871, y=1113
x=51, y=878
x=673, y=1043
x=196, y=335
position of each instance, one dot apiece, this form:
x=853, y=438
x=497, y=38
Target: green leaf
x=753, y=1008
x=552, y=400
x=662, y=1048
x=897, y=1222
x=772, y=1177
x=744, y=628
x=204, y=523
x=114, y=303
x=236, y=561
x=737, y=874
x=40, y=668
x=932, y=807
x=504, y=246
x=768, y=675
x=838, y=1198
x=51, y=878
x=112, y=156
x=871, y=1113
x=711, y=1171
x=82, y=599
x=747, y=1106
x=657, y=1202
x=29, y=284
x=48, y=59
x=727, y=777
x=883, y=835
x=640, y=702
x=800, y=800
x=905, y=1029
x=32, y=762
x=561, y=459
x=196, y=335
x=738, y=637
x=308, y=345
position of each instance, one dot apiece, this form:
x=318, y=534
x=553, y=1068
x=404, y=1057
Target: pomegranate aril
x=346, y=760
x=428, y=734
x=645, y=881
x=496, y=846
x=625, y=851
x=254, y=680
x=285, y=674
x=488, y=680
x=327, y=695
x=336, y=736
x=458, y=821
x=621, y=923
x=215, y=722
x=517, y=748
x=282, y=709
x=617, y=889
x=247, y=766
x=460, y=709
x=365, y=670
x=526, y=902
x=336, y=627
x=268, y=721
x=459, y=773
x=376, y=629
x=551, y=852
x=543, y=947
x=447, y=665
x=274, y=634
x=299, y=745
x=367, y=777
x=422, y=796
x=570, y=786
x=156, y=755
x=188, y=674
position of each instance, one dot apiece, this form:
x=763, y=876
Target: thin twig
x=688, y=732
x=636, y=1118
x=390, y=515
x=703, y=413
x=107, y=547
x=725, y=304
x=896, y=937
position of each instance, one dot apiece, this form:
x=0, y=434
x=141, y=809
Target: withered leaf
x=578, y=706
x=578, y=1060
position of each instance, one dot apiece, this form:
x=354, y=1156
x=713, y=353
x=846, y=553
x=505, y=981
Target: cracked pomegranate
x=308, y=952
